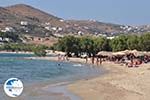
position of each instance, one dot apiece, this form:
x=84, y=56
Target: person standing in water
x=59, y=57
x=67, y=57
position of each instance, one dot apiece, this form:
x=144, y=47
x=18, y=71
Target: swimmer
x=60, y=67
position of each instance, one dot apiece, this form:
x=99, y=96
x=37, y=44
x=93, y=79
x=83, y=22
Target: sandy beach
x=121, y=83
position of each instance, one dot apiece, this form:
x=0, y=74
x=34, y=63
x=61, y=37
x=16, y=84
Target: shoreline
x=66, y=91
x=19, y=52
x=120, y=83
x=48, y=90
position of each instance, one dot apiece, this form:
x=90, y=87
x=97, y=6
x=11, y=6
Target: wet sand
x=43, y=91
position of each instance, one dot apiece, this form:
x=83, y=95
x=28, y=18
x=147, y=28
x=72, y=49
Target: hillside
x=25, y=19
x=95, y=27
x=30, y=12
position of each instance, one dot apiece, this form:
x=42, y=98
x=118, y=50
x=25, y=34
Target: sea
x=43, y=79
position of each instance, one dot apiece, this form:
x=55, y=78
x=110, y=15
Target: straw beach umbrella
x=137, y=53
x=134, y=51
x=126, y=51
x=119, y=53
x=104, y=53
x=148, y=53
x=60, y=52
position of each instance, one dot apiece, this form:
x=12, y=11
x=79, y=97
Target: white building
x=61, y=20
x=60, y=29
x=80, y=33
x=54, y=28
x=47, y=28
x=47, y=23
x=25, y=23
x=8, y=29
x=1, y=39
x=6, y=39
x=58, y=35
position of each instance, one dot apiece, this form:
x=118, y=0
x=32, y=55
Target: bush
x=39, y=51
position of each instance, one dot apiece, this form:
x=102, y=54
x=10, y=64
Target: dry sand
x=121, y=83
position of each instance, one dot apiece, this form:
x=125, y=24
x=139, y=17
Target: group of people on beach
x=129, y=60
x=63, y=57
x=94, y=60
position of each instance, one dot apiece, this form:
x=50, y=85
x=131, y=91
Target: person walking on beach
x=100, y=61
x=92, y=59
x=97, y=61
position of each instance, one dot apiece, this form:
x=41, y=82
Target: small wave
x=77, y=65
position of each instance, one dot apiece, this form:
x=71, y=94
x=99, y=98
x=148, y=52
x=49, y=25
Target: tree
x=87, y=45
x=119, y=43
x=101, y=44
x=144, y=42
x=92, y=45
x=69, y=44
x=133, y=42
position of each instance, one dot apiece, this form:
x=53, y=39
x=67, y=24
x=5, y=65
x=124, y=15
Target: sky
x=131, y=12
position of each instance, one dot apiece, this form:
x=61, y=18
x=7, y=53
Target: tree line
x=15, y=44
x=79, y=45
x=92, y=45
x=38, y=50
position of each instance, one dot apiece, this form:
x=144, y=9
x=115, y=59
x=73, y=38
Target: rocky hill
x=24, y=19
x=30, y=12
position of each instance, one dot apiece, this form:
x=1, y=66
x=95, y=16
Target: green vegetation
x=17, y=47
x=131, y=42
x=13, y=43
x=119, y=43
x=13, y=37
x=38, y=50
x=80, y=45
x=92, y=45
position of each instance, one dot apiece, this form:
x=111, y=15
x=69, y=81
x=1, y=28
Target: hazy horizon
x=110, y=11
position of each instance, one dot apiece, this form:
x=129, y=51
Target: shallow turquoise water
x=35, y=72
x=29, y=71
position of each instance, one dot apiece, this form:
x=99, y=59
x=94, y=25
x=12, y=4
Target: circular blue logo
x=13, y=87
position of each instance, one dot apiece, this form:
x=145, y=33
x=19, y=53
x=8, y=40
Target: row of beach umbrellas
x=125, y=52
